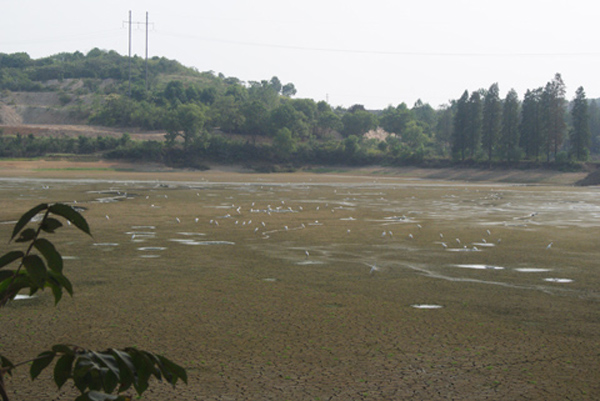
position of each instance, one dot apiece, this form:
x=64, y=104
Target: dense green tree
x=444, y=128
x=264, y=92
x=424, y=112
x=594, y=112
x=474, y=125
x=328, y=122
x=286, y=116
x=175, y=92
x=395, y=119
x=580, y=134
x=288, y=90
x=186, y=121
x=509, y=141
x=226, y=113
x=492, y=120
x=358, y=122
x=461, y=127
x=256, y=119
x=276, y=84
x=284, y=142
x=413, y=136
x=531, y=127
x=554, y=109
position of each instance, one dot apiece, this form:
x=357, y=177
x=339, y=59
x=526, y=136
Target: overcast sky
x=374, y=52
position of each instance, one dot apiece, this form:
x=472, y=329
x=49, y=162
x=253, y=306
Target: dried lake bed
x=323, y=286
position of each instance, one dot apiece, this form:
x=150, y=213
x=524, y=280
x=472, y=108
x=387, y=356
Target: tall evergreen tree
x=580, y=134
x=510, y=127
x=594, y=112
x=554, y=113
x=531, y=123
x=473, y=135
x=492, y=119
x=443, y=128
x=461, y=123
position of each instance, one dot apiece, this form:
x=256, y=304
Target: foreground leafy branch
x=97, y=375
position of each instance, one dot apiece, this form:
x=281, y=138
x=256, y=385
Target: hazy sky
x=371, y=52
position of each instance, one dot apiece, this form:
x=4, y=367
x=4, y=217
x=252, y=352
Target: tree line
x=210, y=116
x=542, y=126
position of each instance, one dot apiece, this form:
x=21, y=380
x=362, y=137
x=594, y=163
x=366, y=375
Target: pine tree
x=461, y=122
x=492, y=114
x=510, y=127
x=554, y=111
x=473, y=134
x=531, y=123
x=580, y=134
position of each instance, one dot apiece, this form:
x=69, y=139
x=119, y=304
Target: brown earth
x=259, y=321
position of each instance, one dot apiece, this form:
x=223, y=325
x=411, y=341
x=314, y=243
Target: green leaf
x=40, y=363
x=72, y=215
x=125, y=367
x=175, y=370
x=52, y=256
x=50, y=225
x=36, y=269
x=10, y=257
x=5, y=363
x=26, y=217
x=63, y=367
x=5, y=274
x=27, y=235
x=63, y=349
x=63, y=281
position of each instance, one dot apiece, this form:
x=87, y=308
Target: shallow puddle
x=426, y=306
x=152, y=248
x=532, y=270
x=558, y=280
x=106, y=244
x=480, y=267
x=22, y=297
x=309, y=262
x=149, y=256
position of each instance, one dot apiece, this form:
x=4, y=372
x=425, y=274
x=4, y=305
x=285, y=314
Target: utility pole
x=130, y=23
x=129, y=90
x=146, y=51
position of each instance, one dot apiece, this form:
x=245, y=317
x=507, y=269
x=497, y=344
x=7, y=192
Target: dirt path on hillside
x=47, y=130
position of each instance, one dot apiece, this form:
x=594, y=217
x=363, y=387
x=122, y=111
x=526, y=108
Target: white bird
x=410, y=236
x=483, y=240
x=458, y=240
x=488, y=232
x=391, y=233
x=419, y=226
x=286, y=228
x=307, y=254
x=549, y=245
x=373, y=267
x=107, y=218
x=196, y=219
x=177, y=219
x=441, y=235
x=444, y=245
x=383, y=234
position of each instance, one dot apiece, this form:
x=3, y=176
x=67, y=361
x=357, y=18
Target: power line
x=382, y=52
